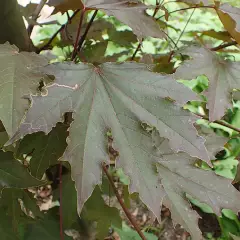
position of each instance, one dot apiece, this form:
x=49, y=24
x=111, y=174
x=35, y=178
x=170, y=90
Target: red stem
x=128, y=214
x=60, y=201
x=78, y=34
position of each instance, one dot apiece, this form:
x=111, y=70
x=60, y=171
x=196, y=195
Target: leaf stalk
x=126, y=211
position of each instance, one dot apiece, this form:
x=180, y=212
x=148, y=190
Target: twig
x=74, y=53
x=220, y=122
x=140, y=43
x=60, y=201
x=86, y=31
x=128, y=214
x=221, y=46
x=56, y=33
x=137, y=49
x=189, y=19
x=35, y=15
x=182, y=9
x=156, y=8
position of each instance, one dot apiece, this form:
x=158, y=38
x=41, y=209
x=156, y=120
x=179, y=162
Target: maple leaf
x=45, y=149
x=230, y=17
x=18, y=79
x=132, y=13
x=223, y=77
x=65, y=5
x=111, y=96
x=13, y=174
x=95, y=209
x=179, y=176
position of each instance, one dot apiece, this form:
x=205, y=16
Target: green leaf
x=113, y=96
x=45, y=149
x=6, y=228
x=13, y=174
x=95, y=209
x=127, y=233
x=47, y=229
x=11, y=211
x=223, y=77
x=18, y=79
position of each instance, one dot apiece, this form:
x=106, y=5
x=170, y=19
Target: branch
x=189, y=19
x=46, y=46
x=220, y=122
x=137, y=49
x=140, y=43
x=221, y=46
x=182, y=9
x=126, y=211
x=35, y=15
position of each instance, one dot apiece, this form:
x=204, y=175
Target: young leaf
x=223, y=77
x=230, y=17
x=17, y=80
x=14, y=175
x=44, y=149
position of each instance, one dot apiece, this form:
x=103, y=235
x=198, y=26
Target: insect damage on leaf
x=18, y=79
x=111, y=96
